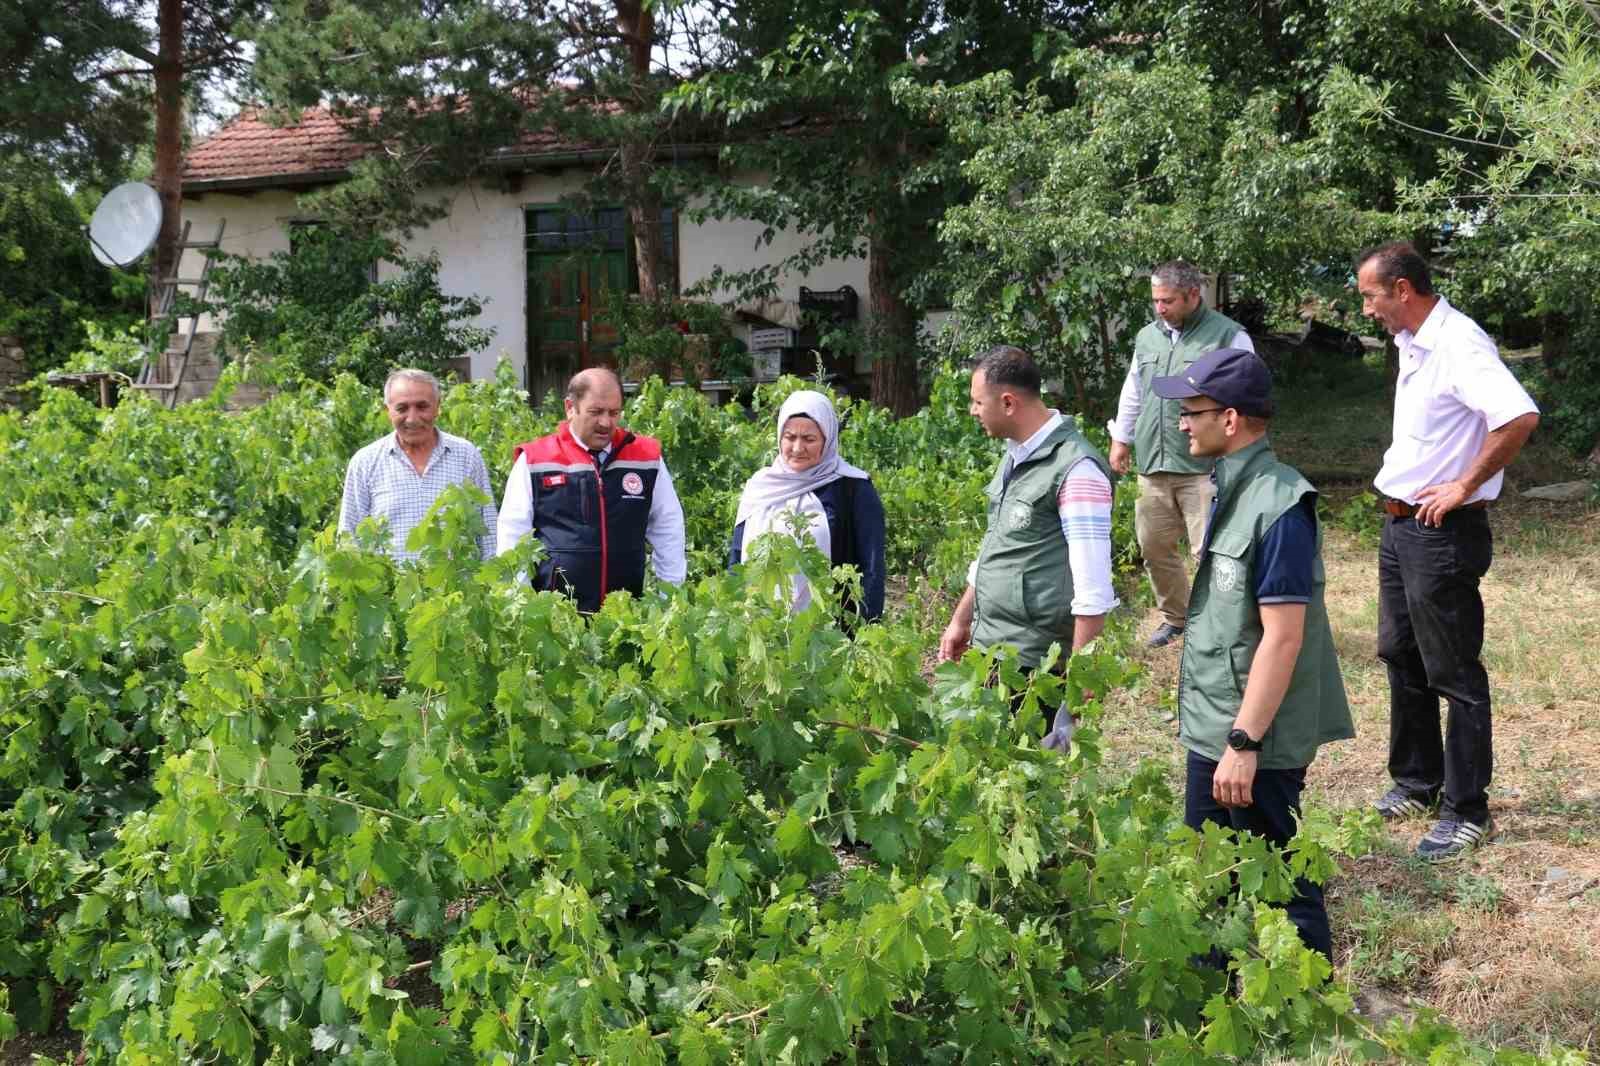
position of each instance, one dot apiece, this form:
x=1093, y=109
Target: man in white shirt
x=1459, y=418
x=1175, y=487
x=399, y=476
x=595, y=493
x=1043, y=572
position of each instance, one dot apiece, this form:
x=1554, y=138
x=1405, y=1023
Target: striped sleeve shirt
x=380, y=482
x=1083, y=504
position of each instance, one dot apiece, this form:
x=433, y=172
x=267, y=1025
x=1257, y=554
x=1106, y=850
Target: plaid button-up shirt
x=381, y=482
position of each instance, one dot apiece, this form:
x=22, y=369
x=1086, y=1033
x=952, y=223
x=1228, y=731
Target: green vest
x=1158, y=446
x=1023, y=586
x=1224, y=626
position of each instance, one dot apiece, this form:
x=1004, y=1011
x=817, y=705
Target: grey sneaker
x=1165, y=634
x=1449, y=839
x=1397, y=804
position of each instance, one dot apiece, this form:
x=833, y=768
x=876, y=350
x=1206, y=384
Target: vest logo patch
x=1019, y=516
x=1225, y=573
x=632, y=484
x=552, y=481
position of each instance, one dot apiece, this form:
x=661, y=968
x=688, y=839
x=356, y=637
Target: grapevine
x=266, y=797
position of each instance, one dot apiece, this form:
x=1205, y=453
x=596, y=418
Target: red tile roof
x=249, y=152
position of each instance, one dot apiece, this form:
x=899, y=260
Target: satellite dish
x=125, y=224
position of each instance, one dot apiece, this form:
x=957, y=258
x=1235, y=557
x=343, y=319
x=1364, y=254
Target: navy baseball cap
x=1234, y=377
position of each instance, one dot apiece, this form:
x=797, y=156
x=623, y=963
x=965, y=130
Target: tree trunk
x=1555, y=343
x=644, y=216
x=636, y=23
x=1108, y=361
x=893, y=333
x=169, y=145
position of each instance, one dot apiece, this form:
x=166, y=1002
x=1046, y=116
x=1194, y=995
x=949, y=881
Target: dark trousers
x=1275, y=796
x=1430, y=635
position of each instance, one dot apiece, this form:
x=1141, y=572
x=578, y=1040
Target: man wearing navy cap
x=1259, y=688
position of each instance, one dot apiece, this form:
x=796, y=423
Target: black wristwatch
x=1239, y=740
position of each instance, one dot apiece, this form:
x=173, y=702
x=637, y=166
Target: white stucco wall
x=733, y=245
x=480, y=244
x=257, y=225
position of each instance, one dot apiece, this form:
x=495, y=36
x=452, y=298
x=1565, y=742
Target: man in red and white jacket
x=594, y=493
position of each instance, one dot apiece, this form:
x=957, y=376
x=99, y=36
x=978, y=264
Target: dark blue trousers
x=1430, y=635
x=1276, y=796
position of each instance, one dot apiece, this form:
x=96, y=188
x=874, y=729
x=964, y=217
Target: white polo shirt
x=1453, y=389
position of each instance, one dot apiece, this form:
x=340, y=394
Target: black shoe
x=1397, y=804
x=1449, y=839
x=1165, y=634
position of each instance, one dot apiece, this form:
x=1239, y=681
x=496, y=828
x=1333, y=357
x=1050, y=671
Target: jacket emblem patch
x=1225, y=573
x=632, y=484
x=1019, y=516
x=554, y=480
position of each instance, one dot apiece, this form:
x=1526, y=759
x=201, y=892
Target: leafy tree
x=1073, y=204
x=79, y=81
x=1211, y=131
x=1518, y=177
x=66, y=96
x=49, y=280
x=844, y=161
x=1296, y=52
x=317, y=311
x=458, y=91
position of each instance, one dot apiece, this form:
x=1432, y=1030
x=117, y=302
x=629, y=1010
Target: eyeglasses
x=1188, y=416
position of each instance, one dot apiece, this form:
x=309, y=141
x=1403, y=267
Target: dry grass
x=1505, y=942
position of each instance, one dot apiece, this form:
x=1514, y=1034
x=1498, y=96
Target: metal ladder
x=166, y=303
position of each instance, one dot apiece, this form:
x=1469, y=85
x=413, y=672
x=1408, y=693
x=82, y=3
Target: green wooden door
x=577, y=265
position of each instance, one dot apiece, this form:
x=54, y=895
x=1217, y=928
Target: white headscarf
x=773, y=486
x=775, y=495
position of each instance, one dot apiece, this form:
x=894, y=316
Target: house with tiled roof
x=506, y=239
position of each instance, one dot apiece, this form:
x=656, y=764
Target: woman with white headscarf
x=810, y=479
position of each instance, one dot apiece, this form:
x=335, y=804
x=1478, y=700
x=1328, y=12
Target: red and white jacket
x=594, y=515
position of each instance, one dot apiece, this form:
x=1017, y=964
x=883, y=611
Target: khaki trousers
x=1170, y=507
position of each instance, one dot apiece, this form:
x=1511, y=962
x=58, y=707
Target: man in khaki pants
x=1175, y=488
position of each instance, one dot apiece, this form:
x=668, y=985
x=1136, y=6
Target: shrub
x=315, y=312
x=50, y=282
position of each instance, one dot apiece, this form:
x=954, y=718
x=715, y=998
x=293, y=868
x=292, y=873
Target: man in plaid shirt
x=398, y=477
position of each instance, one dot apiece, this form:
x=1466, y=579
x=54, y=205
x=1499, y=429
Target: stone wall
x=202, y=372
x=13, y=370
x=199, y=375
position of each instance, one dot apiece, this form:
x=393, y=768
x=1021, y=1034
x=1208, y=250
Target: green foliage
x=673, y=338
x=846, y=168
x=1513, y=183
x=52, y=108
x=50, y=282
x=108, y=349
x=1360, y=517
x=1072, y=205
x=315, y=312
x=1395, y=936
x=264, y=796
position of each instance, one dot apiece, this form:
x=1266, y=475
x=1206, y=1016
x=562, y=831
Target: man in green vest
x=1043, y=573
x=1259, y=688
x=1174, y=485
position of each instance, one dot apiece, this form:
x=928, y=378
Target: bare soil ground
x=1505, y=942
